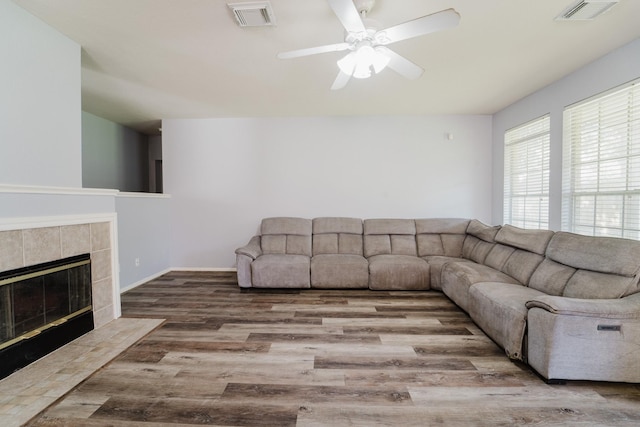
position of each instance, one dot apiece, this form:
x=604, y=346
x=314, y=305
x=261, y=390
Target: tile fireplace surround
x=35, y=243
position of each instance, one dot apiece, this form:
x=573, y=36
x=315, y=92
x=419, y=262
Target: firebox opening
x=42, y=308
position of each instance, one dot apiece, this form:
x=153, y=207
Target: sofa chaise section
x=500, y=308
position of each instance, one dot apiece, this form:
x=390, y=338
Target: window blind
x=526, y=174
x=601, y=165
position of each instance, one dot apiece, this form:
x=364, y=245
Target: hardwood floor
x=320, y=358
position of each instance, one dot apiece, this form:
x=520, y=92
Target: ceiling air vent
x=253, y=14
x=585, y=10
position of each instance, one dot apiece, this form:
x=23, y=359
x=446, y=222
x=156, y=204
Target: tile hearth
x=30, y=390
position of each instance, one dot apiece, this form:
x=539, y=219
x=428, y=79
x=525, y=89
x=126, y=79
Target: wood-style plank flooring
x=229, y=357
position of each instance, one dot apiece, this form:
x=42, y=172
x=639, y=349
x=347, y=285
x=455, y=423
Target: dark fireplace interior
x=42, y=308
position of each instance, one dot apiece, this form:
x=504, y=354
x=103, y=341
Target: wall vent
x=253, y=14
x=585, y=10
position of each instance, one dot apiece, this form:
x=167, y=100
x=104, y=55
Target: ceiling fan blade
x=348, y=15
x=341, y=81
x=427, y=24
x=313, y=50
x=401, y=65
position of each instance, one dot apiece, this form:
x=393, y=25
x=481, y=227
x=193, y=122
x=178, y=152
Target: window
x=526, y=175
x=601, y=170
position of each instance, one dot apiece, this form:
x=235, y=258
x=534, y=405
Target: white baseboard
x=143, y=281
x=203, y=269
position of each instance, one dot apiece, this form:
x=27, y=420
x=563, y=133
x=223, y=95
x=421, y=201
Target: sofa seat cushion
x=339, y=271
x=281, y=271
x=399, y=272
x=436, y=263
x=457, y=277
x=500, y=310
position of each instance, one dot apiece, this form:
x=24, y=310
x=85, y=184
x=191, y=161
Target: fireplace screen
x=35, y=299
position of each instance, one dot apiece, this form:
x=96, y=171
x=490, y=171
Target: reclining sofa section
x=566, y=304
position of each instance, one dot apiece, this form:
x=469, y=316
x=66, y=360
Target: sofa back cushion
x=335, y=235
x=389, y=237
x=606, y=267
x=601, y=254
x=498, y=256
x=551, y=277
x=476, y=249
x=518, y=251
x=521, y=265
x=535, y=241
x=441, y=236
x=286, y=235
x=591, y=284
x=482, y=231
x=514, y=262
x=479, y=241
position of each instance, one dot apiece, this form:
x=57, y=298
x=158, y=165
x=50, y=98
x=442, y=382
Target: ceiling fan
x=367, y=45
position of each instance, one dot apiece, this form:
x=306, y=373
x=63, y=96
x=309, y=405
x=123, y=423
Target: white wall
x=143, y=235
x=113, y=156
x=40, y=132
x=224, y=175
x=616, y=68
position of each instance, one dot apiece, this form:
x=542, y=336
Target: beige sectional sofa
x=566, y=304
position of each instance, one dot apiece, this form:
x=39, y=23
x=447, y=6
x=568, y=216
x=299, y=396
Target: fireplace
x=42, y=308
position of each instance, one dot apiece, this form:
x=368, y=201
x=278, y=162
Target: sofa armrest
x=622, y=308
x=251, y=249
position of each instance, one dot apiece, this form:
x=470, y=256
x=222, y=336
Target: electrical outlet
x=137, y=261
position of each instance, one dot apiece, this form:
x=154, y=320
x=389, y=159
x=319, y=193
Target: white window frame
x=526, y=174
x=601, y=164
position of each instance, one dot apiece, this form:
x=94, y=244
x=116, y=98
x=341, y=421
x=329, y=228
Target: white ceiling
x=147, y=60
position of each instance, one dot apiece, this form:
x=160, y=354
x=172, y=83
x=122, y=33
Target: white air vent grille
x=253, y=14
x=586, y=10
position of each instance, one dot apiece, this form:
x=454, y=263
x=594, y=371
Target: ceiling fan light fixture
x=380, y=60
x=362, y=71
x=348, y=63
x=363, y=62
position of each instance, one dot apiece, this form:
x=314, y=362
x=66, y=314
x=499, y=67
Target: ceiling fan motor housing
x=371, y=35
x=364, y=6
